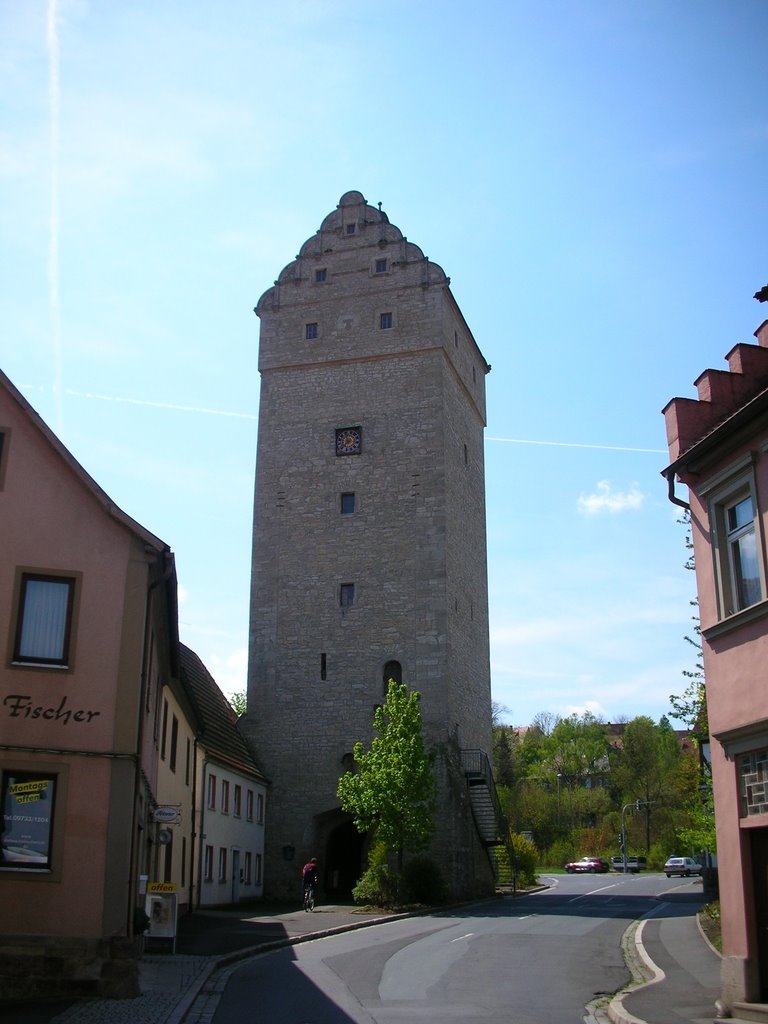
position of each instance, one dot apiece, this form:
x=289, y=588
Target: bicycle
x=309, y=897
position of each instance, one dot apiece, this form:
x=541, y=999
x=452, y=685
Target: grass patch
x=709, y=919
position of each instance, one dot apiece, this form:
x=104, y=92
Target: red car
x=593, y=865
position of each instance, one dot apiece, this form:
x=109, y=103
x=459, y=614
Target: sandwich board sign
x=161, y=907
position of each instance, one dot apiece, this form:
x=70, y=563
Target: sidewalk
x=678, y=969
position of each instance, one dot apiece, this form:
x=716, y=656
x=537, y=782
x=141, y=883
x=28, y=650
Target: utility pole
x=637, y=804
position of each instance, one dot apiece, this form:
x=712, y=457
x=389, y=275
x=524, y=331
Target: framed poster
x=28, y=800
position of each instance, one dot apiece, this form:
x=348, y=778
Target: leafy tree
x=393, y=790
x=239, y=702
x=690, y=707
x=578, y=748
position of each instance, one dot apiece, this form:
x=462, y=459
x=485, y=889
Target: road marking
x=467, y=936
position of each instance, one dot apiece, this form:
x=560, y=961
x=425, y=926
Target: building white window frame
x=211, y=795
x=249, y=805
x=223, y=863
x=208, y=864
x=225, y=796
x=729, y=496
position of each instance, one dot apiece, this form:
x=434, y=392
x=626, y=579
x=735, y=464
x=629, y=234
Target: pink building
x=718, y=449
x=89, y=633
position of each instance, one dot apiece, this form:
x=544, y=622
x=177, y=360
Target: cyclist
x=309, y=878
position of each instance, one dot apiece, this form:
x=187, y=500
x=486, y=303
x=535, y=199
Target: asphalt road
x=540, y=959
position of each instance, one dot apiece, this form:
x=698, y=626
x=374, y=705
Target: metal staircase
x=490, y=822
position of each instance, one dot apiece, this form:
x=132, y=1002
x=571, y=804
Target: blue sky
x=590, y=174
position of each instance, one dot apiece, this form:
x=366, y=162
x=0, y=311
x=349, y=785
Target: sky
x=591, y=174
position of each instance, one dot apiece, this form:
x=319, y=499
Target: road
x=537, y=959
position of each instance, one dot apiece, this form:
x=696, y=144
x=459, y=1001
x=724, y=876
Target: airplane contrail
x=576, y=444
x=161, y=405
x=54, y=97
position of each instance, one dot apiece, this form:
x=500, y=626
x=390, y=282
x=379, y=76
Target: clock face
x=348, y=441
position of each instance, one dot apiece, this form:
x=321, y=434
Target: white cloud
x=606, y=499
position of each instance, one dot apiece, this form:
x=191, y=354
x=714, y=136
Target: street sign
x=166, y=814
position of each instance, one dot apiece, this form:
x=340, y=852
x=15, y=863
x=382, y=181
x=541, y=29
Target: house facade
x=88, y=616
x=369, y=542
x=231, y=798
x=718, y=450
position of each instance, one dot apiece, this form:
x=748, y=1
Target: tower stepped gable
x=721, y=393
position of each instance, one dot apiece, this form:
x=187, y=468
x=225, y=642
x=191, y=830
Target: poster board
x=161, y=907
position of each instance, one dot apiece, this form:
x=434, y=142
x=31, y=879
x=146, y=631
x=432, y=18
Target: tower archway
x=344, y=860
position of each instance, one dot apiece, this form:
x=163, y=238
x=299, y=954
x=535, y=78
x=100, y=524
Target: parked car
x=683, y=866
x=634, y=864
x=593, y=865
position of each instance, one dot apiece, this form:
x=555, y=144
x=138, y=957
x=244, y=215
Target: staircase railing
x=477, y=769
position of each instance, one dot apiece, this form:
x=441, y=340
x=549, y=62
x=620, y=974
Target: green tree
x=239, y=702
x=503, y=763
x=393, y=790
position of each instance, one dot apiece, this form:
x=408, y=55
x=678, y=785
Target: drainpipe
x=670, y=475
x=194, y=832
x=202, y=835
x=132, y=862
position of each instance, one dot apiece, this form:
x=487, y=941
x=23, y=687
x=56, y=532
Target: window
x=742, y=552
x=5, y=437
x=225, y=796
x=347, y=503
x=381, y=266
x=392, y=670
x=260, y=809
x=257, y=879
x=350, y=229
x=346, y=594
x=385, y=321
x=247, y=868
x=44, y=620
x=28, y=800
x=212, y=792
x=323, y=666
x=753, y=773
x=208, y=864
x=222, y=863
x=310, y=331
x=174, y=743
x=736, y=547
x=249, y=805
x=321, y=275
x=238, y=801
x=164, y=733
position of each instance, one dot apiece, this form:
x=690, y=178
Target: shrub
x=379, y=886
x=526, y=857
x=423, y=882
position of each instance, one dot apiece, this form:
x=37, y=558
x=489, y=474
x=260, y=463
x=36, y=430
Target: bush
x=423, y=882
x=379, y=886
x=526, y=857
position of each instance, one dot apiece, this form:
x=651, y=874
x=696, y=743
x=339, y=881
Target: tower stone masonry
x=369, y=540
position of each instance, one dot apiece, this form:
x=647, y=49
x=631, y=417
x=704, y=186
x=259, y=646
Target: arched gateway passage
x=344, y=860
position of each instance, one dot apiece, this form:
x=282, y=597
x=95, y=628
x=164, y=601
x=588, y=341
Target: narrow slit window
x=346, y=595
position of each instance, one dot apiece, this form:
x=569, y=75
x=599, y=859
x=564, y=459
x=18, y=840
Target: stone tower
x=369, y=546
